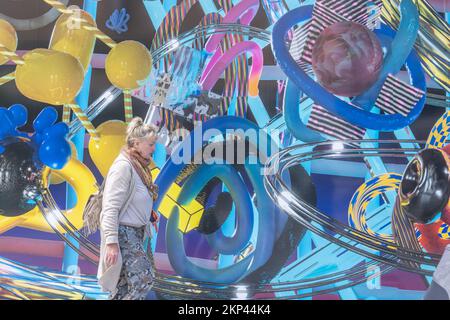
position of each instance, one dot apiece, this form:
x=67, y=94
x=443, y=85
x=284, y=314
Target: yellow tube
x=8, y=223
x=83, y=182
x=71, y=38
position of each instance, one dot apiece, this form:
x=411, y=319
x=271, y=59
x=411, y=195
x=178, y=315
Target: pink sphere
x=347, y=58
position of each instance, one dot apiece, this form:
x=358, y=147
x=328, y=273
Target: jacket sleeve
x=114, y=196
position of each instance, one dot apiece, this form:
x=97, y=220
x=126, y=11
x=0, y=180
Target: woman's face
x=146, y=146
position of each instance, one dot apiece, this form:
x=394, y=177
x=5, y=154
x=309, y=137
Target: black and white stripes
x=323, y=16
x=298, y=44
x=328, y=12
x=323, y=121
x=397, y=97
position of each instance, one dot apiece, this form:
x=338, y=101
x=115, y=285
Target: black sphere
x=424, y=190
x=20, y=177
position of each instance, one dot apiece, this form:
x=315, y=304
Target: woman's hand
x=112, y=253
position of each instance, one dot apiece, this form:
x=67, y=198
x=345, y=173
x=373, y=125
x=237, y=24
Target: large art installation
x=287, y=161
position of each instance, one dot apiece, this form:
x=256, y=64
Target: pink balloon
x=347, y=58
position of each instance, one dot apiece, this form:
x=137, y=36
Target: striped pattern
x=323, y=16
x=7, y=78
x=85, y=121
x=369, y=190
x=213, y=18
x=100, y=35
x=418, y=234
x=432, y=39
x=361, y=11
x=298, y=41
x=169, y=29
x=128, y=106
x=327, y=12
x=405, y=234
x=66, y=113
x=178, y=66
x=11, y=55
x=364, y=12
x=397, y=97
x=167, y=116
x=202, y=38
x=84, y=23
x=171, y=26
x=372, y=17
x=298, y=44
x=58, y=6
x=323, y=121
x=236, y=75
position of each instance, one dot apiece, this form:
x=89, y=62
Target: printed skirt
x=138, y=267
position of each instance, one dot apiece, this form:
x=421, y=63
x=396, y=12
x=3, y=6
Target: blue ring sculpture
x=319, y=95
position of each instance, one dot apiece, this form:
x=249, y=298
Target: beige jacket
x=119, y=190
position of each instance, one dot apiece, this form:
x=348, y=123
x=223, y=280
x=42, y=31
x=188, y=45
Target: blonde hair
x=137, y=129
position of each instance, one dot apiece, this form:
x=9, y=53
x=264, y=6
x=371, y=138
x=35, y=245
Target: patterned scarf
x=141, y=165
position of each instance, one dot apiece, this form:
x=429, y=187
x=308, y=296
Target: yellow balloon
x=104, y=151
x=128, y=65
x=112, y=139
x=70, y=38
x=50, y=76
x=8, y=38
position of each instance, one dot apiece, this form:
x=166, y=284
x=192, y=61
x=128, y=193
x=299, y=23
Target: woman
x=125, y=270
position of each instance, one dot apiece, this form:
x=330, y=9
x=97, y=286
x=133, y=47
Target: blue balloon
x=55, y=153
x=45, y=119
x=20, y=114
x=22, y=134
x=59, y=130
x=38, y=138
x=7, y=127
